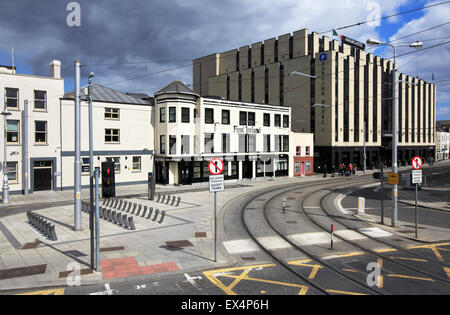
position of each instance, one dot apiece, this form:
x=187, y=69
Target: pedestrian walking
x=350, y=166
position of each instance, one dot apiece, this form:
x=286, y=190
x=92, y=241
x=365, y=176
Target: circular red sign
x=216, y=166
x=417, y=163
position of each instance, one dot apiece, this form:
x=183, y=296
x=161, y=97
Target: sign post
x=216, y=183
x=417, y=164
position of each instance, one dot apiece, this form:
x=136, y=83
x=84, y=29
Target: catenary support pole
x=395, y=143
x=77, y=163
x=91, y=172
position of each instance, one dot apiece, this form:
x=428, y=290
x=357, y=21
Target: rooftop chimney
x=55, y=69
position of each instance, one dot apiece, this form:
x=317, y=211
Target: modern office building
x=252, y=139
x=340, y=93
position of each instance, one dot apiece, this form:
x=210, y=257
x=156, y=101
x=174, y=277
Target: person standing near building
x=350, y=167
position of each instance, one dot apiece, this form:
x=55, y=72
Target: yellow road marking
x=380, y=279
x=349, y=270
x=412, y=259
x=344, y=292
x=303, y=263
x=352, y=254
x=214, y=274
x=434, y=249
x=46, y=292
x=387, y=250
x=410, y=277
x=447, y=270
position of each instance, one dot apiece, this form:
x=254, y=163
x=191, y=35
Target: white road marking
x=191, y=280
x=375, y=232
x=140, y=287
x=310, y=238
x=241, y=246
x=273, y=242
x=108, y=291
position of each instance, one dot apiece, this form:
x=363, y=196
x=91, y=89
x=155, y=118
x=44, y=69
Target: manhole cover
x=291, y=198
x=248, y=258
x=111, y=249
x=179, y=244
x=75, y=253
x=291, y=222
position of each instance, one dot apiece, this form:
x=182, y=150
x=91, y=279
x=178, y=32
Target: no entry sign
x=216, y=166
x=417, y=163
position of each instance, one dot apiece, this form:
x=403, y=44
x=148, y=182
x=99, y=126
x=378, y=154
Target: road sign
x=417, y=177
x=417, y=163
x=323, y=57
x=216, y=166
x=216, y=183
x=393, y=179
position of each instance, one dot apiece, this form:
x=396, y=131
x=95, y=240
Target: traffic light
x=108, y=180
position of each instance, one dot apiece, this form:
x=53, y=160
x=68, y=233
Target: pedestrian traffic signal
x=108, y=180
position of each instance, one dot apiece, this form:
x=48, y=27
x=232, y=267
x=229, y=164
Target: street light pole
x=77, y=163
x=394, y=124
x=91, y=174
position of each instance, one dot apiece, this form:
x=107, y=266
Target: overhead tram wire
x=385, y=17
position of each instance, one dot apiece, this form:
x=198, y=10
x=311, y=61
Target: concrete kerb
x=337, y=203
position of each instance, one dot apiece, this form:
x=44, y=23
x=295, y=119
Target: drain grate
x=75, y=253
x=200, y=235
x=65, y=274
x=179, y=244
x=248, y=258
x=291, y=222
x=22, y=272
x=111, y=249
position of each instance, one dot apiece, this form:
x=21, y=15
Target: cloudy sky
x=142, y=45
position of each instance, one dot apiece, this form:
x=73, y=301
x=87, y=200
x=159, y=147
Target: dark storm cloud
x=166, y=32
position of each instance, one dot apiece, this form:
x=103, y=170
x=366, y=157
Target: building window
x=266, y=120
x=297, y=167
x=209, y=116
x=243, y=118
x=137, y=164
x=209, y=143
x=162, y=144
x=308, y=151
x=242, y=144
x=40, y=135
x=12, y=171
x=85, y=165
x=185, y=115
x=251, y=119
x=298, y=151
x=112, y=113
x=266, y=143
x=12, y=98
x=285, y=144
x=308, y=167
x=173, y=145
x=285, y=121
x=172, y=114
x=112, y=136
x=116, y=161
x=185, y=145
x=162, y=114
x=277, y=120
x=40, y=100
x=12, y=132
x=251, y=143
x=225, y=117
x=225, y=143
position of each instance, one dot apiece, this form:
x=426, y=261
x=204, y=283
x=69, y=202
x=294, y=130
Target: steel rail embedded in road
x=295, y=246
x=434, y=277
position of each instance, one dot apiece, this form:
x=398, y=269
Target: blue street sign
x=323, y=57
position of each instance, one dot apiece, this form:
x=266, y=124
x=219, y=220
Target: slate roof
x=103, y=94
x=176, y=87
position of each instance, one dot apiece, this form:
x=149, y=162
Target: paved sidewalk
x=184, y=242
x=437, y=198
